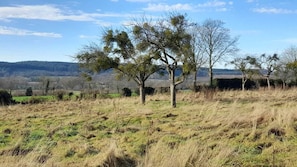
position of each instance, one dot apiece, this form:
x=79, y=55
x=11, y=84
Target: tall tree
x=198, y=58
x=168, y=39
x=120, y=54
x=216, y=43
x=137, y=65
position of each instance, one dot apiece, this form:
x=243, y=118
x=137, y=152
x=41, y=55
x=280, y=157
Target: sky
x=55, y=30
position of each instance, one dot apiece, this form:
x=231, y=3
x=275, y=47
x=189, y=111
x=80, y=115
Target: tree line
x=148, y=46
x=283, y=67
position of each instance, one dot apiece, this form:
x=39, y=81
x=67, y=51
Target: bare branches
x=215, y=42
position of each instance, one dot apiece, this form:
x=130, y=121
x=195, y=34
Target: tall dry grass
x=232, y=128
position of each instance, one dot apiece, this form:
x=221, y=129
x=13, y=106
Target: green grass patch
x=33, y=99
x=32, y=139
x=114, y=95
x=4, y=139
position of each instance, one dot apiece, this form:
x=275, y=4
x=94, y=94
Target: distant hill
x=38, y=68
x=44, y=68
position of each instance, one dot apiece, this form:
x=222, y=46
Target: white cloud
x=165, y=7
x=42, y=12
x=54, y=13
x=274, y=11
x=50, y=13
x=21, y=32
x=215, y=5
x=292, y=41
x=139, y=0
x=221, y=9
x=88, y=36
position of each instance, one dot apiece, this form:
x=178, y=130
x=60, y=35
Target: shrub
x=59, y=95
x=29, y=91
x=70, y=94
x=5, y=98
x=234, y=84
x=147, y=90
x=163, y=90
x=126, y=92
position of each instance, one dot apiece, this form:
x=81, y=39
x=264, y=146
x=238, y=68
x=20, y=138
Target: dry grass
x=231, y=128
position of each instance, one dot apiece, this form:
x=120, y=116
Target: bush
x=147, y=90
x=29, y=91
x=163, y=90
x=126, y=92
x=70, y=94
x=59, y=95
x=234, y=84
x=5, y=98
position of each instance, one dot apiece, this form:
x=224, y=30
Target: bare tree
x=288, y=65
x=289, y=55
x=243, y=64
x=198, y=58
x=267, y=65
x=283, y=73
x=216, y=43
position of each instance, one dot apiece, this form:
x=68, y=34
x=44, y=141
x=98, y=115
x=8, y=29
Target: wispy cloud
x=274, y=11
x=55, y=13
x=43, y=12
x=165, y=7
x=215, y=5
x=250, y=1
x=22, y=32
x=50, y=13
x=88, y=36
x=140, y=0
x=292, y=41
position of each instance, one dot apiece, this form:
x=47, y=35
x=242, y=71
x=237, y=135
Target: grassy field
x=232, y=128
x=24, y=99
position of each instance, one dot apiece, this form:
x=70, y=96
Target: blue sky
x=55, y=30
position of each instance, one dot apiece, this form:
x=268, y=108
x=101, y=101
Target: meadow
x=223, y=128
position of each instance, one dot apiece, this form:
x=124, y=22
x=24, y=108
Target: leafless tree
x=216, y=43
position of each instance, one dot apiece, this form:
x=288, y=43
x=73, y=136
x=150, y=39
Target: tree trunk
x=210, y=70
x=284, y=84
x=172, y=88
x=243, y=83
x=268, y=82
x=210, y=73
x=142, y=92
x=195, y=81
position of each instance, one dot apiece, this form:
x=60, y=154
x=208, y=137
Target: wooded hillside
x=38, y=68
